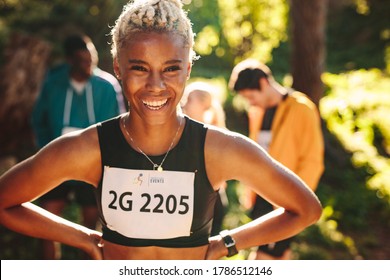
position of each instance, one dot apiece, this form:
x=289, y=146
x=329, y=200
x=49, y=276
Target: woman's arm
x=69, y=157
x=233, y=156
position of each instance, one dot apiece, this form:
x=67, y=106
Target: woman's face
x=154, y=68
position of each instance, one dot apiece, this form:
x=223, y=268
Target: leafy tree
x=54, y=20
x=308, y=46
x=229, y=31
x=358, y=35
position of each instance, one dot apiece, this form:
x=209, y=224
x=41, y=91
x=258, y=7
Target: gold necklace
x=156, y=166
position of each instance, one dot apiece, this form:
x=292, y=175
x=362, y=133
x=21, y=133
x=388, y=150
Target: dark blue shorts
x=277, y=249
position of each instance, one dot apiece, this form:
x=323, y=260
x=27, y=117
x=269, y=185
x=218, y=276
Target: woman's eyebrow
x=173, y=61
x=139, y=61
x=136, y=61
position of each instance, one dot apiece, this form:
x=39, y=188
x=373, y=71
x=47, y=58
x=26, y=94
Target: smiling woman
x=156, y=172
x=153, y=68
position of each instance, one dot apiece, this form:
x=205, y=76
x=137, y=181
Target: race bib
x=148, y=204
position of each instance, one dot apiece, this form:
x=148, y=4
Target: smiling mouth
x=155, y=105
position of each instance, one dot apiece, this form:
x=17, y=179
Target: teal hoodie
x=48, y=113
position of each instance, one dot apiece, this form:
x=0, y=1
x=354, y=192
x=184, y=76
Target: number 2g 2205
x=160, y=203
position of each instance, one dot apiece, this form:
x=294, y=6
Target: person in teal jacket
x=74, y=96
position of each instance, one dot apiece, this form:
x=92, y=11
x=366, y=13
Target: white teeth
x=155, y=105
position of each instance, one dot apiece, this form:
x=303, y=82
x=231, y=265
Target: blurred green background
x=354, y=105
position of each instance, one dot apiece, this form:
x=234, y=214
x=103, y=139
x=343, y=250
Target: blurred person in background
x=74, y=96
x=286, y=123
x=201, y=103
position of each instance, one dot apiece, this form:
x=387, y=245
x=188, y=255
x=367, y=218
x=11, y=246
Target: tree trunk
x=308, y=20
x=22, y=74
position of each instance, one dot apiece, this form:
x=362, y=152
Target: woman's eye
x=172, y=68
x=138, y=68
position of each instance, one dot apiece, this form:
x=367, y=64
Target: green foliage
x=238, y=30
x=357, y=112
x=56, y=19
x=253, y=28
x=358, y=35
x=354, y=189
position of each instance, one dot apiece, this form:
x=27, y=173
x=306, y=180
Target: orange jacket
x=297, y=140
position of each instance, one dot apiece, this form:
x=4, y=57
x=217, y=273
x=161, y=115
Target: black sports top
x=142, y=207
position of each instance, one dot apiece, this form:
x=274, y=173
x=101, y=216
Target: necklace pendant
x=155, y=166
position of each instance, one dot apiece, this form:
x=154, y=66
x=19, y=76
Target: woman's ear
x=189, y=68
x=116, y=68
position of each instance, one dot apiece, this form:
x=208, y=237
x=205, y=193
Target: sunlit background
x=336, y=51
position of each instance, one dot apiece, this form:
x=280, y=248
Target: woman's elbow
x=6, y=213
x=313, y=211
x=3, y=215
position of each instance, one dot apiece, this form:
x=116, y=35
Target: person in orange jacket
x=286, y=123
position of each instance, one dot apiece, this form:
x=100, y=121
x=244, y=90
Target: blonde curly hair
x=152, y=16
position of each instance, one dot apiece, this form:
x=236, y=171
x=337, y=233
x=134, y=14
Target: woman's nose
x=156, y=82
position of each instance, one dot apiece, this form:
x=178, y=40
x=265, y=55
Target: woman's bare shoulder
x=230, y=155
x=76, y=155
x=220, y=139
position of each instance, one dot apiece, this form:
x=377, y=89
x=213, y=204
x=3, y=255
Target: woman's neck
x=154, y=139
